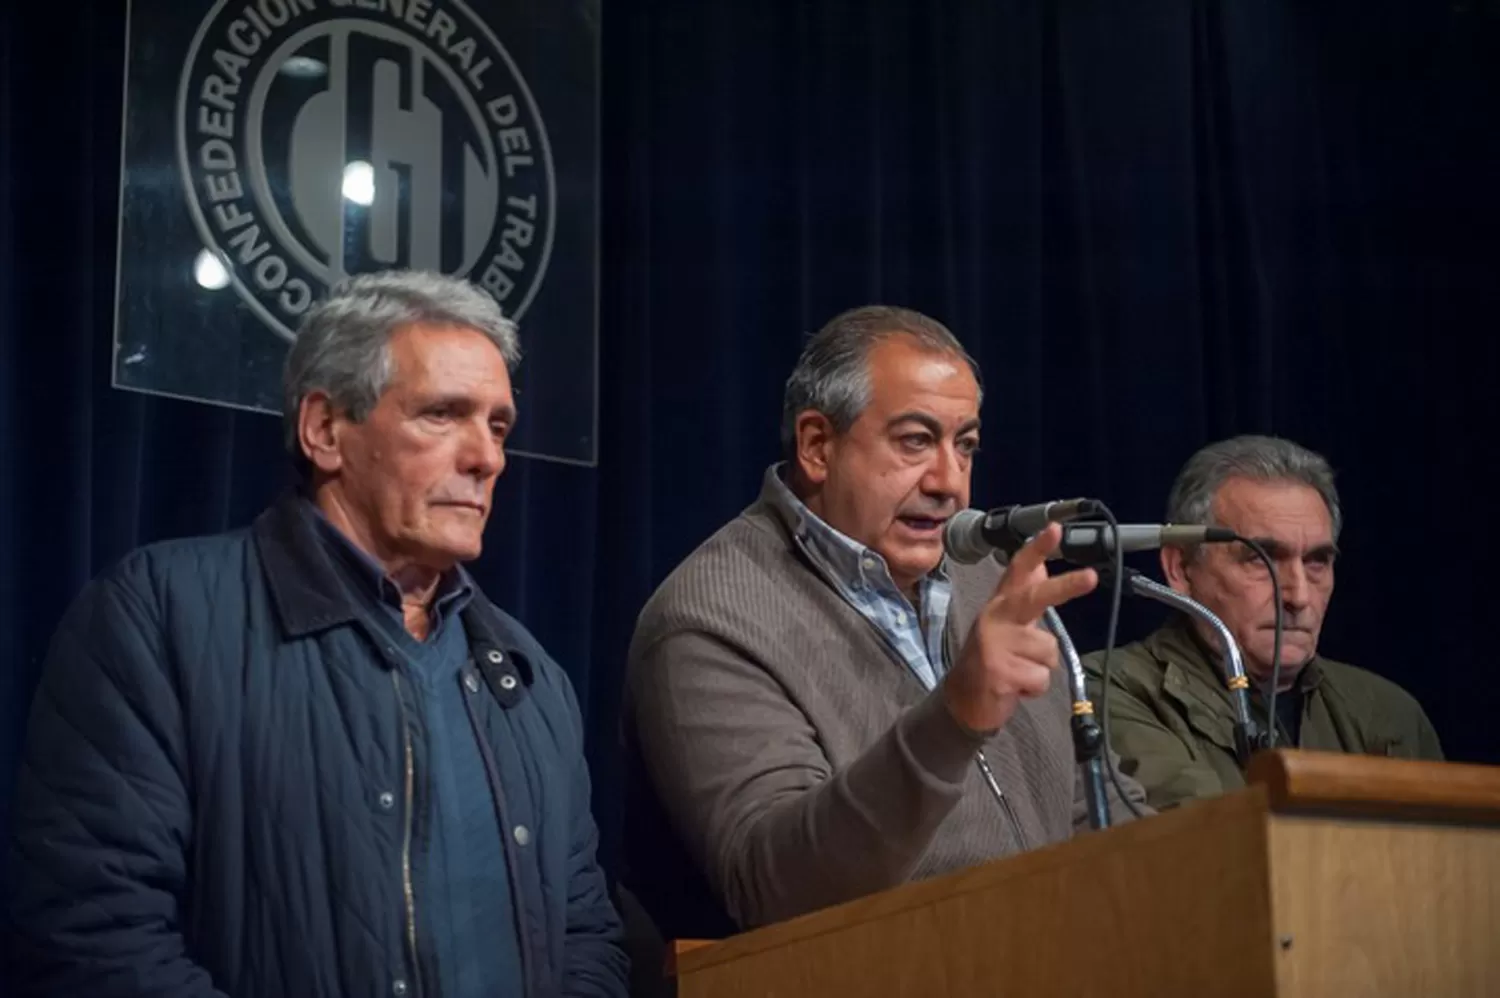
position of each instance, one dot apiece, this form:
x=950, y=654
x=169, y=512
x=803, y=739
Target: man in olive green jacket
x=1171, y=717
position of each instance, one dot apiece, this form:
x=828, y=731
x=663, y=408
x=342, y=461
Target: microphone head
x=963, y=537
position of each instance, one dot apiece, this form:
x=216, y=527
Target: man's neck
x=1289, y=679
x=803, y=491
x=417, y=590
x=417, y=583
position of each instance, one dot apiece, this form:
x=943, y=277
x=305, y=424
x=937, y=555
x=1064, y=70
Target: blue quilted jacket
x=223, y=790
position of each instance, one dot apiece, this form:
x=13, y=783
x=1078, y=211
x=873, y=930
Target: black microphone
x=972, y=535
x=969, y=536
x=1093, y=544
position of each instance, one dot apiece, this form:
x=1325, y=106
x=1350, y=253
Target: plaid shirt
x=864, y=580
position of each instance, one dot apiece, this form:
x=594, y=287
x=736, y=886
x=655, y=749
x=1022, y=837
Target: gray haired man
x=309, y=757
x=820, y=705
x=1170, y=715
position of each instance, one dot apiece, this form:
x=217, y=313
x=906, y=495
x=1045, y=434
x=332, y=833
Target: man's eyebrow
x=925, y=420
x=930, y=423
x=465, y=403
x=1274, y=548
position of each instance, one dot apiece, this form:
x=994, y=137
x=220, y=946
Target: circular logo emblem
x=319, y=140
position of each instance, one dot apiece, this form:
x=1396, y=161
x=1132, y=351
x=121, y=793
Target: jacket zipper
x=1005, y=805
x=411, y=898
x=947, y=646
x=1006, y=809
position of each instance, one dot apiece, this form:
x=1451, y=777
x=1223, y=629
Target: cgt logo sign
x=321, y=138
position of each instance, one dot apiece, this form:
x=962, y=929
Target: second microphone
x=971, y=536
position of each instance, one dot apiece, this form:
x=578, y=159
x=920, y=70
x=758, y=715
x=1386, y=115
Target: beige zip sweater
x=799, y=760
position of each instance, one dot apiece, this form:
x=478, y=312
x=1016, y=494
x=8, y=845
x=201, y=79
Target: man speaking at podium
x=812, y=693
x=1171, y=717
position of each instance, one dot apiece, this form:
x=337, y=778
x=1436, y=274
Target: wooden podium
x=1329, y=875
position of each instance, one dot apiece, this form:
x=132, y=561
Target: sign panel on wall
x=273, y=147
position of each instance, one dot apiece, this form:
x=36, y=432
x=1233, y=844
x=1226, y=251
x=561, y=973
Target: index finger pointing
x=1026, y=605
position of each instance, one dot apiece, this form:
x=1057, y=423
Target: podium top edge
x=1375, y=786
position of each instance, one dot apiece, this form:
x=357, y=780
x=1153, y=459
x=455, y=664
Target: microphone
x=1092, y=544
x=971, y=535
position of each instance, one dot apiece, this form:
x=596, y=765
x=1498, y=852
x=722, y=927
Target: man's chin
x=914, y=565
x=445, y=552
x=1293, y=661
x=465, y=552
x=914, y=547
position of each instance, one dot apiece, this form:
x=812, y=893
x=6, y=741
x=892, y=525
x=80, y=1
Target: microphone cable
x=1117, y=590
x=1269, y=738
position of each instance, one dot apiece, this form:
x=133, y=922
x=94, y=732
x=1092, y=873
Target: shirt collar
x=851, y=562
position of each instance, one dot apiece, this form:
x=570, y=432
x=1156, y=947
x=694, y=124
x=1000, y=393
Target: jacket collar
x=310, y=594
x=306, y=587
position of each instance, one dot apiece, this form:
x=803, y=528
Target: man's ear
x=814, y=443
x=1174, y=565
x=318, y=428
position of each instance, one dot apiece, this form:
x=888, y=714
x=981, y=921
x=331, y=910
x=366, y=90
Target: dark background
x=1154, y=224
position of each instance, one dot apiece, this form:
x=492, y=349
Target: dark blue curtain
x=1154, y=224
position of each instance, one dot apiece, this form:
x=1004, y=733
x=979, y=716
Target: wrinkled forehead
x=447, y=357
x=906, y=377
x=1291, y=514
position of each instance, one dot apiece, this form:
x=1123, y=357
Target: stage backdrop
x=1154, y=224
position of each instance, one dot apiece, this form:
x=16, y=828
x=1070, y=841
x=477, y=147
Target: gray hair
x=833, y=377
x=1258, y=458
x=343, y=343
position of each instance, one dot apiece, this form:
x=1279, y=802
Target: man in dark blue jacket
x=310, y=758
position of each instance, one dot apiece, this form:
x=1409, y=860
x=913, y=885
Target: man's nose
x=483, y=454
x=945, y=475
x=1295, y=591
